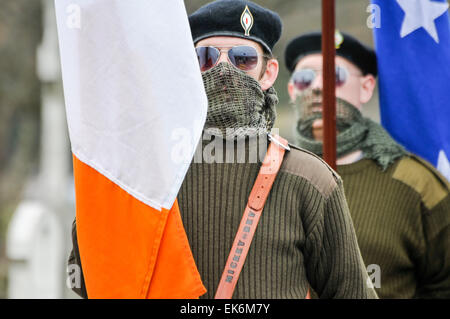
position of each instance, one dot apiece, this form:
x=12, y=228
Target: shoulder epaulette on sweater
x=318, y=157
x=432, y=169
x=305, y=164
x=421, y=176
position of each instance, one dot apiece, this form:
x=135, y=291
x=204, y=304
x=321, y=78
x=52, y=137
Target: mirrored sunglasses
x=243, y=57
x=303, y=78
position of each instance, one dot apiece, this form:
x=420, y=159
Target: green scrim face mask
x=308, y=109
x=355, y=132
x=237, y=106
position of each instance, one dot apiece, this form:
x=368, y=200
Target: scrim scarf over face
x=237, y=106
x=355, y=132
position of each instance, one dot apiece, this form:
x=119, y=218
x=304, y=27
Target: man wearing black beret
x=399, y=203
x=305, y=238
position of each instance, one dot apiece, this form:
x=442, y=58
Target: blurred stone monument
x=38, y=239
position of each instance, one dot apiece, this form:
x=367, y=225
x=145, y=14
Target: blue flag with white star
x=412, y=42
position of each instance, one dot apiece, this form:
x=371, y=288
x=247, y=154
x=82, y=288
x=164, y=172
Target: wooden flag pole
x=329, y=84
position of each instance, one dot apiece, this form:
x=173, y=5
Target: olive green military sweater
x=305, y=237
x=402, y=221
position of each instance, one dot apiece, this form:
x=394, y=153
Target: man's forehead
x=315, y=61
x=227, y=41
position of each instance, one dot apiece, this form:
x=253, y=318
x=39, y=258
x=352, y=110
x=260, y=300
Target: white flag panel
x=132, y=83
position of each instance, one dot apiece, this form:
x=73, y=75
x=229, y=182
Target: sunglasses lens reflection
x=341, y=76
x=244, y=58
x=302, y=79
x=207, y=57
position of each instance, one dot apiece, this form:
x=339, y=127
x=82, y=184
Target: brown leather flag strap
x=258, y=196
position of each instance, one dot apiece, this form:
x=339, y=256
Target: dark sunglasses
x=243, y=57
x=303, y=78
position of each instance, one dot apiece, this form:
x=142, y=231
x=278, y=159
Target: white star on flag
x=443, y=165
x=421, y=14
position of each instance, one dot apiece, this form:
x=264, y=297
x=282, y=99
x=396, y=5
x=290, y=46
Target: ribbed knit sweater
x=305, y=237
x=402, y=222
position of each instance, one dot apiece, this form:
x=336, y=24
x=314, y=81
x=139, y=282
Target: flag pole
x=329, y=86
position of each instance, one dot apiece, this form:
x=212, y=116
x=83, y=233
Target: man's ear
x=368, y=84
x=270, y=75
x=291, y=91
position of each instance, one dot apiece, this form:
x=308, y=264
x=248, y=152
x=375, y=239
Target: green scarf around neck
x=355, y=133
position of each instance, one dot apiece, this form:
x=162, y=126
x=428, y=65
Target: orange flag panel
x=127, y=248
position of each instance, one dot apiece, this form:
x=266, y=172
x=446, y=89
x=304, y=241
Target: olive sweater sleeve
x=335, y=267
x=74, y=261
x=432, y=208
x=434, y=278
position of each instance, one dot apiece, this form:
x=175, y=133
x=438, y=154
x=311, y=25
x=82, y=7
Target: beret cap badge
x=247, y=20
x=338, y=39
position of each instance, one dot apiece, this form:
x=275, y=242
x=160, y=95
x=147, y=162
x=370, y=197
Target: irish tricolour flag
x=131, y=82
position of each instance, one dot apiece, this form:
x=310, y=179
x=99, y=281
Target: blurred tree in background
x=20, y=35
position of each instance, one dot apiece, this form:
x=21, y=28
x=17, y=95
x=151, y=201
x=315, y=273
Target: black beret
x=231, y=18
x=346, y=46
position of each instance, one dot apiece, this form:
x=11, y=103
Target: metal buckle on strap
x=273, y=139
